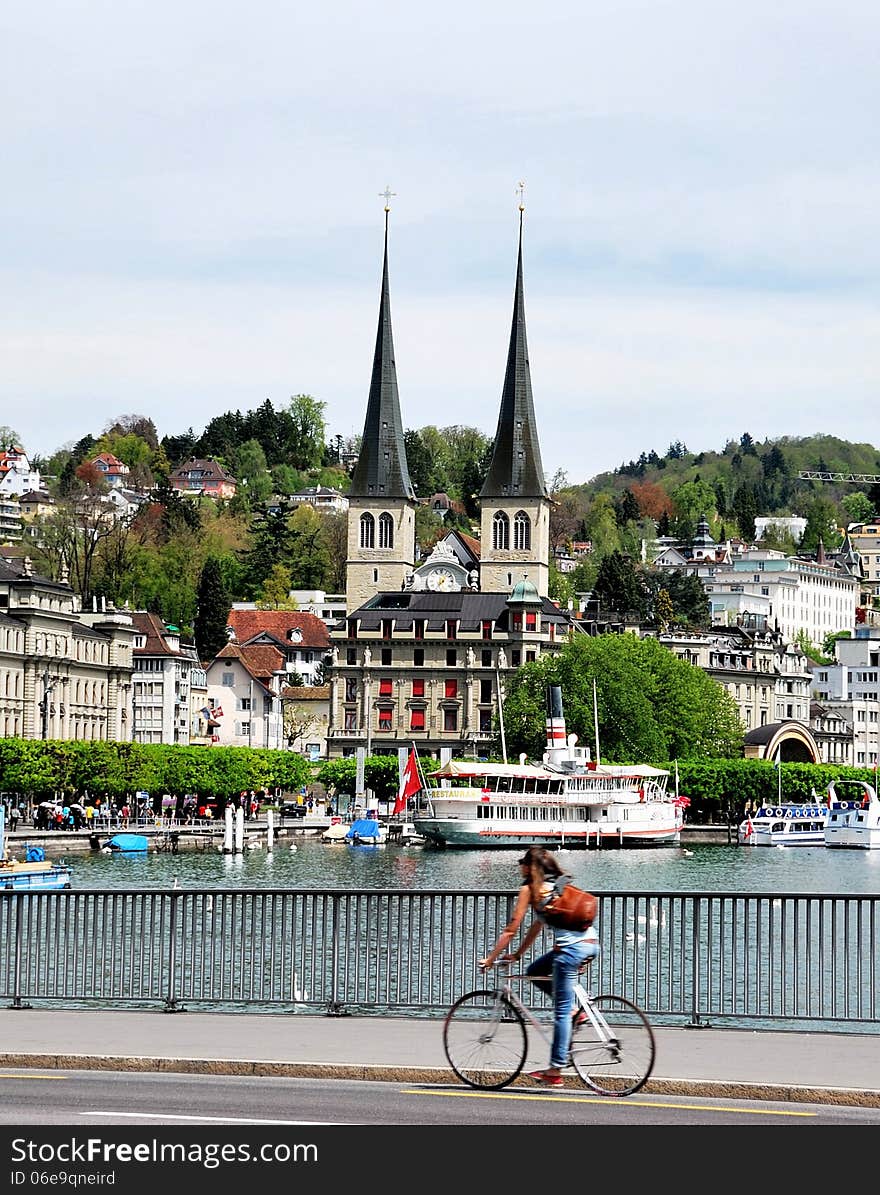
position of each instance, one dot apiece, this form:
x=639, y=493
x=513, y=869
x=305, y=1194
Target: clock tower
x=381, y=501
x=515, y=505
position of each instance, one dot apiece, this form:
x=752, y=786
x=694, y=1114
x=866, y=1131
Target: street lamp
x=48, y=688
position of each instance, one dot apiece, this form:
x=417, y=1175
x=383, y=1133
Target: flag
x=217, y=711
x=681, y=802
x=750, y=829
x=410, y=783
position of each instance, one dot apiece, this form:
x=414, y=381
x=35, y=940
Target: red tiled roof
x=261, y=662
x=306, y=693
x=248, y=623
x=153, y=627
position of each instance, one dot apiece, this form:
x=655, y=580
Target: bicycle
x=486, y=1040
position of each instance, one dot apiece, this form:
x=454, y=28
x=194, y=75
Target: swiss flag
x=409, y=785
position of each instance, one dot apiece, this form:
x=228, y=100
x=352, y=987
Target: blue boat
x=35, y=873
x=127, y=844
x=366, y=831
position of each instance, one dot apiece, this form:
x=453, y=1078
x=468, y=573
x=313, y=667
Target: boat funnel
x=557, y=743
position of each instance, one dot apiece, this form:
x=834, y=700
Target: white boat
x=853, y=821
x=34, y=873
x=787, y=824
x=568, y=800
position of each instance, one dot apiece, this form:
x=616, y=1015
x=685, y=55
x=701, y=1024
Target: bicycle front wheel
x=619, y=1060
x=485, y=1040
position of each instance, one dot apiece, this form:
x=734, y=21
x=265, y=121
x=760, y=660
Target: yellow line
x=627, y=1100
x=49, y=1077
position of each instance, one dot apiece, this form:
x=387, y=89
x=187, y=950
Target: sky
x=192, y=222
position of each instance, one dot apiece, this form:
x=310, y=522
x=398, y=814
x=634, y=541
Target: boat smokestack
x=557, y=743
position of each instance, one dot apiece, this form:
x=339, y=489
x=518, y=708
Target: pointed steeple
x=381, y=470
x=515, y=469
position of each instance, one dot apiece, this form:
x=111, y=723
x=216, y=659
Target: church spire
x=381, y=470
x=515, y=469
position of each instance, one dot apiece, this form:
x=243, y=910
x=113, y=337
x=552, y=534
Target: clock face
x=441, y=580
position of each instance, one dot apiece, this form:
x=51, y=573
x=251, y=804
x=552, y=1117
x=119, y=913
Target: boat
x=365, y=831
x=789, y=823
x=853, y=821
x=127, y=844
x=568, y=800
x=34, y=873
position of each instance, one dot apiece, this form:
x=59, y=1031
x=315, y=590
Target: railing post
x=17, y=1001
x=335, y=1008
x=171, y=1004
x=696, y=1022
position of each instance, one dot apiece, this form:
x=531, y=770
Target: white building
x=865, y=538
x=810, y=596
x=780, y=523
x=851, y=686
x=244, y=696
x=16, y=475
x=165, y=670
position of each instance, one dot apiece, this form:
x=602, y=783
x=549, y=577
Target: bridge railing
x=726, y=959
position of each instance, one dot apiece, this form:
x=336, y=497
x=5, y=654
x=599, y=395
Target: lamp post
x=44, y=704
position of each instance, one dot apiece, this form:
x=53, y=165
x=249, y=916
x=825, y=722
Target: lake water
x=316, y=865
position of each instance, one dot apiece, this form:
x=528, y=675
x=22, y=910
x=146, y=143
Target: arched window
x=501, y=532
x=386, y=531
x=522, y=532
x=368, y=531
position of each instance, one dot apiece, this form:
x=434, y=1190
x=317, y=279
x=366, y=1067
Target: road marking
x=208, y=1119
x=49, y=1077
x=628, y=1100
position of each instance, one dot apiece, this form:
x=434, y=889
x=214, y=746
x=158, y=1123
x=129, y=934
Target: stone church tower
x=515, y=505
x=382, y=503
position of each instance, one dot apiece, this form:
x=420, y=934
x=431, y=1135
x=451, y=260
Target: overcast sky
x=191, y=220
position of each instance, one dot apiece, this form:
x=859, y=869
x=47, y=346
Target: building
x=768, y=679
x=114, y=471
x=306, y=714
x=816, y=598
x=64, y=673
x=781, y=524
x=850, y=686
x=301, y=638
x=10, y=519
x=165, y=672
x=323, y=498
x=203, y=479
x=244, y=696
x=865, y=539
x=329, y=607
x=16, y=474
x=425, y=646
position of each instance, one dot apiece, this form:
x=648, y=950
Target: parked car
x=292, y=809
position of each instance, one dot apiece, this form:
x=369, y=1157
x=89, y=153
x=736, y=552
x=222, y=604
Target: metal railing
x=725, y=959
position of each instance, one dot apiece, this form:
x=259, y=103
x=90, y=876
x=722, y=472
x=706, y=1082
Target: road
x=80, y=1098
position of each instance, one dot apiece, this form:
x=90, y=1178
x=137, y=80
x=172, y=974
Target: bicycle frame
x=581, y=996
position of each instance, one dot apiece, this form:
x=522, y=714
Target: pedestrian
x=555, y=972
x=13, y=818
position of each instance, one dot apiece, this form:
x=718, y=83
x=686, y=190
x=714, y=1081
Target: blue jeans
x=562, y=963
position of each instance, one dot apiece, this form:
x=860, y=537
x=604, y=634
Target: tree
x=9, y=438
x=275, y=594
x=652, y=707
x=858, y=506
x=663, y=610
x=307, y=432
x=212, y=611
x=821, y=526
x=618, y=585
x=745, y=510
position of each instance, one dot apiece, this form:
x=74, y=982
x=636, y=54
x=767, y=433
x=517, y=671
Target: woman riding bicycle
x=571, y=949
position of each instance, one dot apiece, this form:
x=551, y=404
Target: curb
x=437, y=1076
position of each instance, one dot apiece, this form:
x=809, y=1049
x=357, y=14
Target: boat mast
x=596, y=720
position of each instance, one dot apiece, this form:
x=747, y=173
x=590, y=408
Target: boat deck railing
x=759, y=960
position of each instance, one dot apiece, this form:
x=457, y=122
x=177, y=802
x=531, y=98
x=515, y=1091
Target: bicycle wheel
x=619, y=1066
x=485, y=1040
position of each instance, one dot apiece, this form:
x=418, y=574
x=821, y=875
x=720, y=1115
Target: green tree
x=308, y=431
x=212, y=610
x=652, y=707
x=858, y=506
x=745, y=510
x=821, y=526
x=309, y=560
x=619, y=587
x=275, y=594
x=663, y=610
x=253, y=473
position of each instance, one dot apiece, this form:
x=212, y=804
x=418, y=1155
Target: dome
x=524, y=593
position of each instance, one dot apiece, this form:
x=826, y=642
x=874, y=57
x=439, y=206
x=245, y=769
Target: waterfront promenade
x=828, y=1068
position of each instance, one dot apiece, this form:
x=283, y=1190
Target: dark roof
x=381, y=469
x=516, y=469
x=468, y=608
x=762, y=734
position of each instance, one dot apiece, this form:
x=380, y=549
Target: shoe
x=546, y=1079
x=578, y=1018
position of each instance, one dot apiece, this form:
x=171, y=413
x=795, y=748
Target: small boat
x=34, y=873
x=790, y=823
x=366, y=831
x=127, y=844
x=853, y=821
x=336, y=831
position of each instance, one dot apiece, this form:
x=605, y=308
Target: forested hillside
x=176, y=554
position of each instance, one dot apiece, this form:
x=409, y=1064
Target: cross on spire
x=387, y=195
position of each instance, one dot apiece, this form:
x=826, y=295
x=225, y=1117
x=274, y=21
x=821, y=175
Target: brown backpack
x=569, y=907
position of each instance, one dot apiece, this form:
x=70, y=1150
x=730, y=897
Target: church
x=422, y=654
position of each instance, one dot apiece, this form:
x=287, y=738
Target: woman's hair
x=542, y=865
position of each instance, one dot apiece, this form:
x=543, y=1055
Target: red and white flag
x=410, y=783
x=750, y=829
